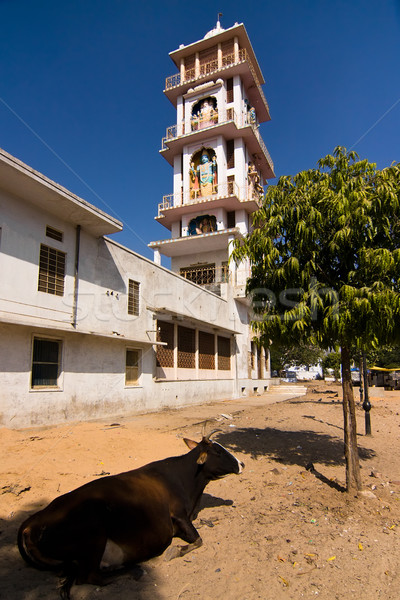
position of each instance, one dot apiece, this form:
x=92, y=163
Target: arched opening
x=204, y=113
x=202, y=224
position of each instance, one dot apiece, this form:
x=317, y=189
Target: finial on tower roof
x=217, y=29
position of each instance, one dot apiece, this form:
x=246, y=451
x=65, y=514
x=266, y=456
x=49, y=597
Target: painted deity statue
x=255, y=187
x=206, y=116
x=202, y=224
x=194, y=181
x=207, y=175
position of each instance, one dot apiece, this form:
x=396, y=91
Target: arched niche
x=203, y=173
x=204, y=113
x=202, y=224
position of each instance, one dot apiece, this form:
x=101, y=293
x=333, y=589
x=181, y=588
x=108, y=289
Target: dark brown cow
x=124, y=519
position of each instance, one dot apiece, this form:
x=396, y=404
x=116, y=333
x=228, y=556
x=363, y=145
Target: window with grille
x=132, y=367
x=186, y=348
x=165, y=354
x=208, y=60
x=55, y=234
x=224, y=272
x=230, y=154
x=189, y=66
x=224, y=353
x=227, y=48
x=231, y=219
x=231, y=186
x=206, y=350
x=46, y=358
x=229, y=90
x=133, y=298
x=51, y=270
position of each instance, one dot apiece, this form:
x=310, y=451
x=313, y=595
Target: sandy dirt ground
x=276, y=531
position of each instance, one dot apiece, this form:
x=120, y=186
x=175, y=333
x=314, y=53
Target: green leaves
x=331, y=237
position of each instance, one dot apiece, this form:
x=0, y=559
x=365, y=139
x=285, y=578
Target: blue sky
x=81, y=89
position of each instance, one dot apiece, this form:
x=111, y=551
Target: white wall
x=92, y=382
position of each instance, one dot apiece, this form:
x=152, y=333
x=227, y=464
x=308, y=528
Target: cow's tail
x=28, y=537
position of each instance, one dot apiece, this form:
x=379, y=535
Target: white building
x=90, y=329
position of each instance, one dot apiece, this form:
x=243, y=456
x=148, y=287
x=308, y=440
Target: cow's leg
x=184, y=529
x=85, y=553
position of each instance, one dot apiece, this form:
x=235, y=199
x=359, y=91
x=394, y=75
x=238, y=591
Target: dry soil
x=276, y=531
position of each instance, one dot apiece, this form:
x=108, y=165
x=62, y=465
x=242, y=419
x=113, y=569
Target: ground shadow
x=22, y=582
x=209, y=501
x=289, y=447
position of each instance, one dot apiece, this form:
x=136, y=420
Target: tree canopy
x=325, y=265
x=297, y=355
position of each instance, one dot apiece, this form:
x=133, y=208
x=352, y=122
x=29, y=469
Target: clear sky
x=81, y=89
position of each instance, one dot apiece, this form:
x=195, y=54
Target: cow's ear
x=190, y=443
x=202, y=458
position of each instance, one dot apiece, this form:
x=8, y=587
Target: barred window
x=53, y=233
x=229, y=90
x=133, y=298
x=165, y=354
x=46, y=357
x=51, y=270
x=186, y=348
x=231, y=191
x=224, y=353
x=227, y=47
x=230, y=154
x=206, y=350
x=132, y=367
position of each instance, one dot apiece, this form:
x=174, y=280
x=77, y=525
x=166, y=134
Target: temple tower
x=219, y=158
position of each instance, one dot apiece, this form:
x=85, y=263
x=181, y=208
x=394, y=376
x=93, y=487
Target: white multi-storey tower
x=219, y=158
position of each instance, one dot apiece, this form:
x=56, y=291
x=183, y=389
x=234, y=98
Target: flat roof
x=21, y=180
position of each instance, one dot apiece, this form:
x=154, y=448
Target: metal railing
x=207, y=274
x=221, y=190
x=196, y=123
x=212, y=67
x=212, y=274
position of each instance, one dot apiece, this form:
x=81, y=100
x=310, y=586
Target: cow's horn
x=214, y=431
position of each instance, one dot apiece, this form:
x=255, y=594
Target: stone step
x=298, y=390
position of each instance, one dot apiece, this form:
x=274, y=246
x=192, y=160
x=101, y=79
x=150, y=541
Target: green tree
x=332, y=361
x=325, y=266
x=384, y=356
x=297, y=355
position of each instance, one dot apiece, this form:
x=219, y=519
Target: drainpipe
x=76, y=276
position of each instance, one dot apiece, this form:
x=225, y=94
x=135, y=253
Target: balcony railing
x=212, y=67
x=221, y=190
x=207, y=274
x=196, y=123
x=211, y=276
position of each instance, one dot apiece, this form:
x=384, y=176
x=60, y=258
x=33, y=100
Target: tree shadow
x=314, y=418
x=289, y=447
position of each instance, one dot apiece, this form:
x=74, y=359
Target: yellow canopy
x=383, y=369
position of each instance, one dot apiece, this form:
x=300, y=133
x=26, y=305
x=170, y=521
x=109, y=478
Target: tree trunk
x=353, y=475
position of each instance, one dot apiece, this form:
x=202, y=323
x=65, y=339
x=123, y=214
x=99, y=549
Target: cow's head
x=216, y=461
